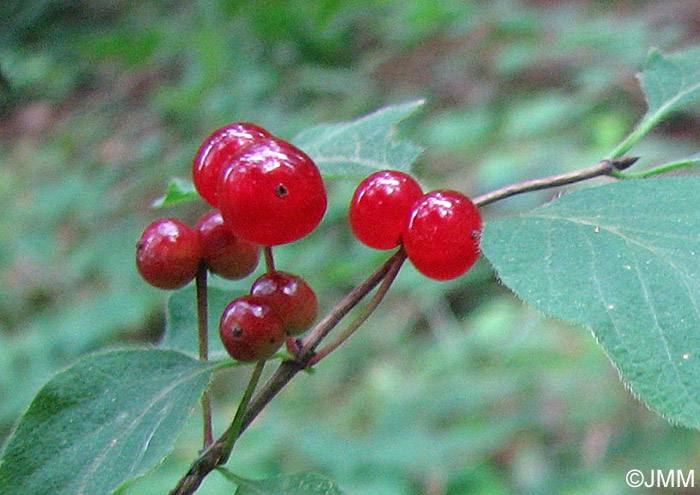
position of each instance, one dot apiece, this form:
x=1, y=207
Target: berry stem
x=234, y=431
x=604, y=167
x=203, y=335
x=366, y=311
x=269, y=259
x=215, y=454
x=309, y=343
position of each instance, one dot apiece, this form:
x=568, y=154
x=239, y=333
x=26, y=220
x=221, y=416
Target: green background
x=451, y=388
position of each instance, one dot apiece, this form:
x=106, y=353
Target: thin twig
x=269, y=259
x=234, y=431
x=365, y=313
x=604, y=167
x=319, y=332
x=203, y=335
x=218, y=452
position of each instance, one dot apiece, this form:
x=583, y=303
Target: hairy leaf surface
x=624, y=259
x=107, y=419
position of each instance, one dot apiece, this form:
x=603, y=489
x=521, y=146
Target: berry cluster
x=439, y=230
x=266, y=192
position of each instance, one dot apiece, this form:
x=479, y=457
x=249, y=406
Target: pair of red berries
x=440, y=231
x=170, y=251
x=280, y=304
x=269, y=191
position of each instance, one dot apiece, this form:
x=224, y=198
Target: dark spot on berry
x=236, y=331
x=281, y=190
x=475, y=234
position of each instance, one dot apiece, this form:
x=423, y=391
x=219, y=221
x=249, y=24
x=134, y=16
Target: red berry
x=442, y=235
x=224, y=253
x=380, y=208
x=290, y=297
x=250, y=330
x=272, y=193
x=168, y=254
x=216, y=151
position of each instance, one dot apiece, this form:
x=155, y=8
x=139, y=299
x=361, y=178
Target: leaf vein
x=98, y=460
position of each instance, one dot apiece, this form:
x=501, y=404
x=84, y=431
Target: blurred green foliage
x=451, y=388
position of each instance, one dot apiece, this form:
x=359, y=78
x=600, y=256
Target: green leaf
x=107, y=419
x=297, y=484
x=624, y=259
x=179, y=191
x=670, y=82
x=361, y=146
x=181, y=316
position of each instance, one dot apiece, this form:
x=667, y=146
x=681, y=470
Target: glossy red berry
x=216, y=151
x=168, y=254
x=250, y=330
x=442, y=235
x=224, y=253
x=380, y=207
x=272, y=193
x=290, y=297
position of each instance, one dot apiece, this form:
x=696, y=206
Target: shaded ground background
x=451, y=388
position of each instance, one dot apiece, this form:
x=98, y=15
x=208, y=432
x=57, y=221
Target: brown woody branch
x=604, y=167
